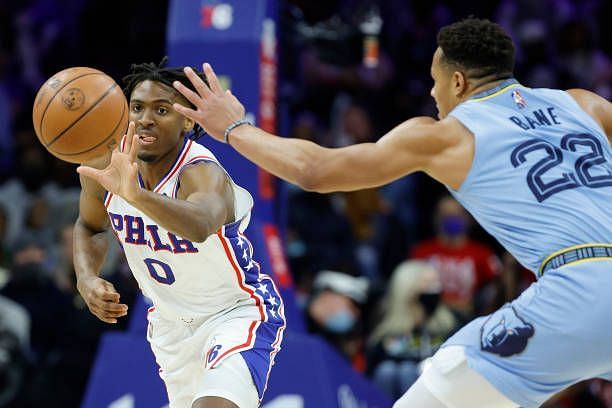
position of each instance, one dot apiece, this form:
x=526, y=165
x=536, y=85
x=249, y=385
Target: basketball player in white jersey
x=217, y=321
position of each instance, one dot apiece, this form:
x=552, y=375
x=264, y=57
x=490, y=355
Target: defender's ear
x=459, y=83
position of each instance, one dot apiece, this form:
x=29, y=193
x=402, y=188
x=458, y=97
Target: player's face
x=159, y=127
x=444, y=88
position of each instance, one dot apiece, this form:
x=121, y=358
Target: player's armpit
x=597, y=107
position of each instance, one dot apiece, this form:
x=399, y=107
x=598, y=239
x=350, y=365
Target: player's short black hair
x=165, y=75
x=479, y=46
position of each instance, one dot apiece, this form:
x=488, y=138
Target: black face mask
x=28, y=275
x=430, y=302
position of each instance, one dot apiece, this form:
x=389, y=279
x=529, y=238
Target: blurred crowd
x=385, y=275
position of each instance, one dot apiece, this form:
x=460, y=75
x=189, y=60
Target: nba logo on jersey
x=518, y=99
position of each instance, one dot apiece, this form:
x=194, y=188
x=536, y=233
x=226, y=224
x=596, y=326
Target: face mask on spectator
x=453, y=225
x=340, y=322
x=430, y=302
x=27, y=274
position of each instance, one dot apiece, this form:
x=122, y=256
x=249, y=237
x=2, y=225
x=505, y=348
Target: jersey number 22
x=584, y=173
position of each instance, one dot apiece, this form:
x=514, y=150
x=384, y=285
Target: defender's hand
x=120, y=177
x=215, y=109
x=102, y=299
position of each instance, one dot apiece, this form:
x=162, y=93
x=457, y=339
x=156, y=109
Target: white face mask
x=340, y=322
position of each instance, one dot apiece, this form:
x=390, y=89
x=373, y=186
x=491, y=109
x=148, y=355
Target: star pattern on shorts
x=262, y=288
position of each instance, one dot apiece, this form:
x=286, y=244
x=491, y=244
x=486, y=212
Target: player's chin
x=146, y=156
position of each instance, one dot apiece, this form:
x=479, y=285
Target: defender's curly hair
x=165, y=75
x=479, y=46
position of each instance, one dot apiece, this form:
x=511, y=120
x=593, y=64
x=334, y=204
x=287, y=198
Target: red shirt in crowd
x=463, y=270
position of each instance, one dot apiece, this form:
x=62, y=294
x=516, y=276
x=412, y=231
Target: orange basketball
x=79, y=114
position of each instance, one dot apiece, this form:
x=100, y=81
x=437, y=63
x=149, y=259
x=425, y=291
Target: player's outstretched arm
x=407, y=148
x=90, y=247
x=599, y=108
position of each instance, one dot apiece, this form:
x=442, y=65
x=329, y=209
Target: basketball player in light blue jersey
x=533, y=166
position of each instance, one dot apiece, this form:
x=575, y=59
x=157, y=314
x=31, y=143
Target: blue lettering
x=157, y=244
x=519, y=122
x=166, y=277
x=553, y=116
x=181, y=246
x=541, y=117
x=116, y=221
x=532, y=122
x=134, y=230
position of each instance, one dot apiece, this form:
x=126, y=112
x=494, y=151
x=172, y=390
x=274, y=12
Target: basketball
x=79, y=114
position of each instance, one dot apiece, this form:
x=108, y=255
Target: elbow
x=200, y=235
x=206, y=227
x=307, y=183
x=198, y=232
x=308, y=179
x=309, y=168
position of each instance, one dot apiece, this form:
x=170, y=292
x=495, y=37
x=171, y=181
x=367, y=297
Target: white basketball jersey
x=184, y=278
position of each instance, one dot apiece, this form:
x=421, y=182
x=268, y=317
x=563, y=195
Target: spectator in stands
x=467, y=268
x=335, y=312
x=30, y=285
x=413, y=324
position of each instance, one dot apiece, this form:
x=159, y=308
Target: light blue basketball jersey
x=541, y=178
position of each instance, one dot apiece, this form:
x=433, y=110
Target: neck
x=152, y=172
x=478, y=85
x=453, y=242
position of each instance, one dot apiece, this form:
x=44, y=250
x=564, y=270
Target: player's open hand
x=215, y=109
x=102, y=299
x=120, y=177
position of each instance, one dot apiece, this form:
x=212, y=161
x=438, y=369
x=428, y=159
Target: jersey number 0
x=160, y=271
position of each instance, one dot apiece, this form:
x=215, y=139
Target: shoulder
x=202, y=176
x=199, y=164
x=590, y=101
x=201, y=168
x=198, y=153
x=453, y=146
x=583, y=96
x=427, y=135
x=425, y=248
x=598, y=107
